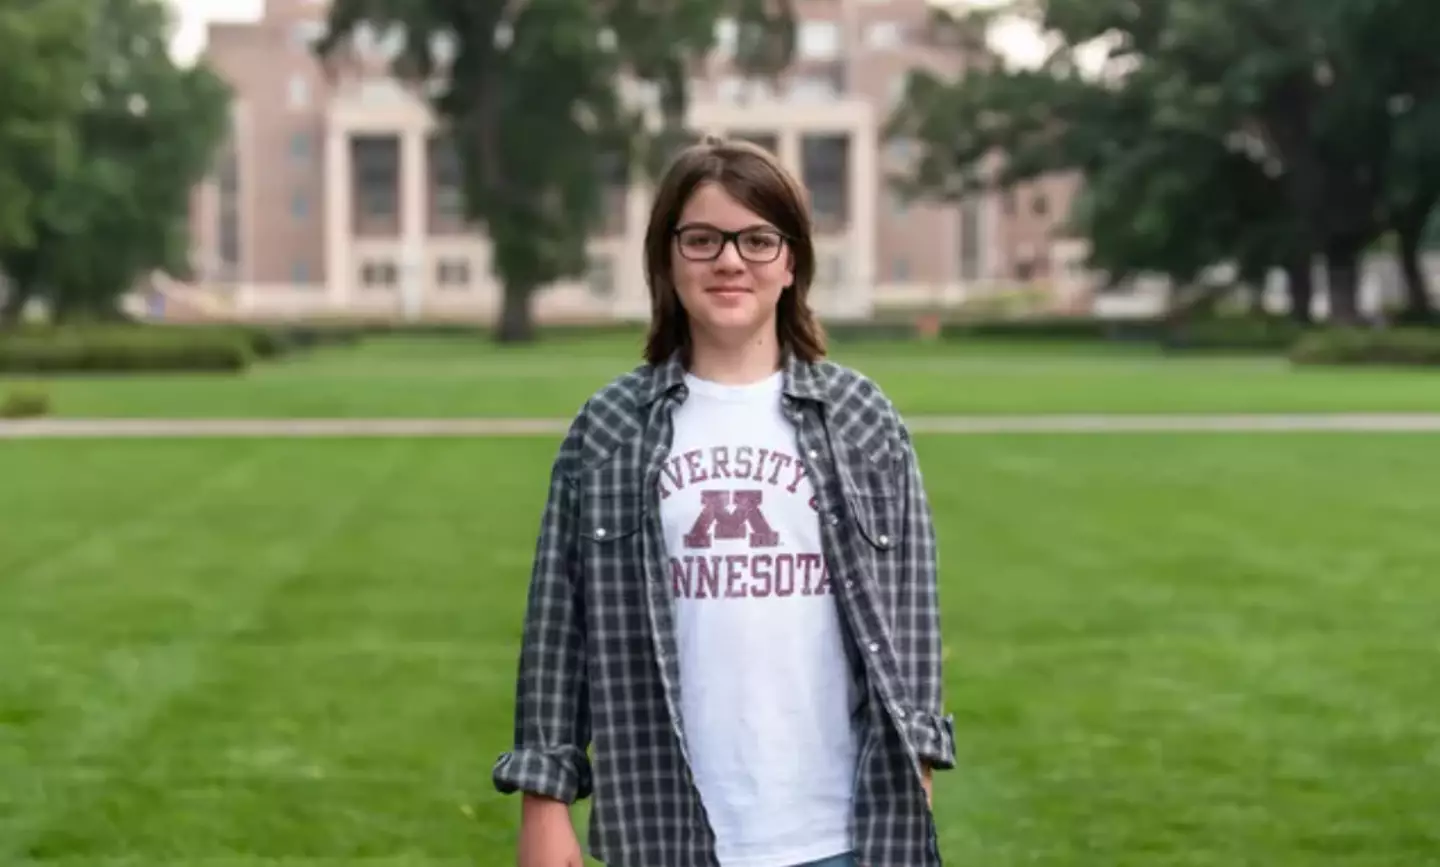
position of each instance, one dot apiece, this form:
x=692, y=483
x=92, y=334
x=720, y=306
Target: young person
x=732, y=640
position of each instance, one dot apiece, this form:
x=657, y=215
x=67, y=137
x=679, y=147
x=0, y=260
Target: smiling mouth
x=728, y=290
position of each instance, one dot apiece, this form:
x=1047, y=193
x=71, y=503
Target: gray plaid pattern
x=598, y=661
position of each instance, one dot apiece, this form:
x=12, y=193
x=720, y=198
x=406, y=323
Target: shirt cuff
x=933, y=737
x=559, y=773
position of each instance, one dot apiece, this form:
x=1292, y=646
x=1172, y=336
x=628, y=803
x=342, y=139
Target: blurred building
x=342, y=197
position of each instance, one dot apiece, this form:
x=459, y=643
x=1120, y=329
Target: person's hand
x=547, y=837
x=927, y=781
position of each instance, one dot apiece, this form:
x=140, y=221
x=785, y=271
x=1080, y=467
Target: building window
x=379, y=275
x=447, y=185
x=299, y=91
x=300, y=147
x=300, y=271
x=1041, y=206
x=375, y=167
x=600, y=277
x=825, y=164
x=227, y=182
x=900, y=269
x=818, y=40
x=453, y=273
x=299, y=205
x=970, y=240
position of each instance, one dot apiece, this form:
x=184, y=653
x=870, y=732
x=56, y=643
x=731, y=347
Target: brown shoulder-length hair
x=757, y=180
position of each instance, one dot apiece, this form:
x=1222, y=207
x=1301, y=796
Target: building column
x=205, y=234
x=632, y=295
x=864, y=201
x=414, y=276
x=339, y=207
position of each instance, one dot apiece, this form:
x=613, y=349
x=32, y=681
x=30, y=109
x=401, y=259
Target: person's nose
x=730, y=259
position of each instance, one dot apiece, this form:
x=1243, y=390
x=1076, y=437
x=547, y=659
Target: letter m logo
x=728, y=515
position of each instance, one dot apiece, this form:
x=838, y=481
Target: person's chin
x=732, y=320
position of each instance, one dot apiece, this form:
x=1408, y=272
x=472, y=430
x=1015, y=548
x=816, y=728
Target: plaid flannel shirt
x=598, y=661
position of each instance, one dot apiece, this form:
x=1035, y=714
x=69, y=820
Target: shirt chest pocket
x=874, y=505
x=610, y=547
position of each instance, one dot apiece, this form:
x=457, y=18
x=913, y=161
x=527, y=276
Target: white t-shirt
x=767, y=696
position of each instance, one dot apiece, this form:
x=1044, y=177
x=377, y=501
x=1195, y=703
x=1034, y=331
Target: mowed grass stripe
x=1193, y=650
x=1164, y=649
x=406, y=378
x=148, y=643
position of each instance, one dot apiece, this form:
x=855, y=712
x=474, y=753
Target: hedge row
x=139, y=348
x=1355, y=346
x=114, y=350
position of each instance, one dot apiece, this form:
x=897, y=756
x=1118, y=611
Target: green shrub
x=1222, y=333
x=1059, y=328
x=1398, y=346
x=121, y=349
x=25, y=403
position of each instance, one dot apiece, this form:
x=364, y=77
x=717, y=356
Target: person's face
x=729, y=286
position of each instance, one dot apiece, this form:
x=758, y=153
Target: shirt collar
x=801, y=380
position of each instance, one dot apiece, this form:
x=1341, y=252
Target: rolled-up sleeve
x=918, y=634
x=549, y=756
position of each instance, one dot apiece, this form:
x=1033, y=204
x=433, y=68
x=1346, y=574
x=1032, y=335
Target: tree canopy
x=40, y=96
x=114, y=207
x=1258, y=133
x=545, y=98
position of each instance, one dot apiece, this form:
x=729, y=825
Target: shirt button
x=884, y=541
x=849, y=585
x=599, y=532
x=814, y=455
x=899, y=713
x=834, y=519
x=874, y=647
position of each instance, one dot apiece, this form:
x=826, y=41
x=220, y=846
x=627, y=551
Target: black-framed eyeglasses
x=759, y=246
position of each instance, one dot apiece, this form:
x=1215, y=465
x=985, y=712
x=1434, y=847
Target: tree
x=147, y=133
x=45, y=65
x=540, y=96
x=1256, y=131
x=1413, y=194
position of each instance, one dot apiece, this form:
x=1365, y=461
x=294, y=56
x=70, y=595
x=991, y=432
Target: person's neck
x=740, y=363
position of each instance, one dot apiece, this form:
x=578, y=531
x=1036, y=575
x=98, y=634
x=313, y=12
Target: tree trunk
x=1343, y=285
x=1419, y=309
x=1300, y=287
x=516, y=323
x=14, y=305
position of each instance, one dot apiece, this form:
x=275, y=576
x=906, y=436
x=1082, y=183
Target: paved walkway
x=477, y=427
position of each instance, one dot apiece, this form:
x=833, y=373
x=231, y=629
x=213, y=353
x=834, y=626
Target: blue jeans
x=838, y=861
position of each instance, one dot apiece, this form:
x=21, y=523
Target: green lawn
x=1195, y=651
x=434, y=377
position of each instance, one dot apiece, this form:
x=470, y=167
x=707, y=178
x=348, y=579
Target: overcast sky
x=1018, y=42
